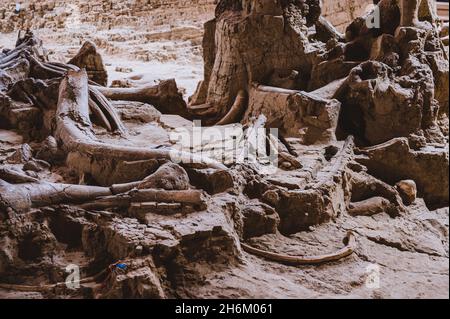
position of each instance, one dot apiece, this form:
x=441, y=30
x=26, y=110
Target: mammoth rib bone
x=9, y=64
x=306, y=260
x=43, y=70
x=14, y=52
x=13, y=56
x=106, y=109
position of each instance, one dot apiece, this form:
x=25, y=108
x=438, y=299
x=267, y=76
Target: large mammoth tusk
x=73, y=130
x=22, y=197
x=106, y=109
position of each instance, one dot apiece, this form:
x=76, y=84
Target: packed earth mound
x=308, y=163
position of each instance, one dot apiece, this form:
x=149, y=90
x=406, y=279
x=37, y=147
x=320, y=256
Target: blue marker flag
x=122, y=266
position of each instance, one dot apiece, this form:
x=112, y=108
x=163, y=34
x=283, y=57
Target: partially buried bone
x=74, y=131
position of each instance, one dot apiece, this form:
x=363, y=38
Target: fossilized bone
x=8, y=64
x=99, y=115
x=164, y=96
x=27, y=37
x=73, y=130
x=17, y=69
x=170, y=184
x=15, y=177
x=307, y=260
x=369, y=207
x=202, y=110
x=41, y=70
x=236, y=111
x=209, y=112
x=169, y=176
x=30, y=193
x=22, y=197
x=13, y=55
x=284, y=153
x=44, y=288
x=382, y=196
x=125, y=200
x=107, y=110
x=99, y=105
x=326, y=31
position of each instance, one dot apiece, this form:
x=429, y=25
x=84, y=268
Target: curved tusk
x=107, y=109
x=236, y=110
x=206, y=109
x=311, y=260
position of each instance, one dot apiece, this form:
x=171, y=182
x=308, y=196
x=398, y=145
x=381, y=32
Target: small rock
x=286, y=165
x=48, y=149
x=121, y=84
x=330, y=152
x=137, y=111
x=138, y=250
x=36, y=165
x=271, y=197
x=123, y=69
x=169, y=176
x=407, y=190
